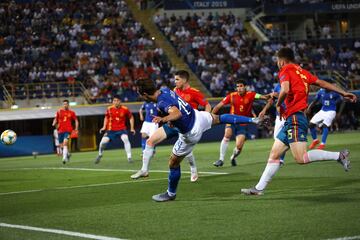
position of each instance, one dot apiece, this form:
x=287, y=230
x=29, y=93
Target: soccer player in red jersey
x=241, y=103
x=64, y=117
x=295, y=83
x=115, y=126
x=192, y=96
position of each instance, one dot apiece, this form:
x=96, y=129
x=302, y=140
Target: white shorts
x=186, y=142
x=149, y=128
x=279, y=124
x=323, y=117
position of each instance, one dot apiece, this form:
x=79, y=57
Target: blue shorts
x=63, y=136
x=170, y=131
x=295, y=129
x=113, y=134
x=237, y=129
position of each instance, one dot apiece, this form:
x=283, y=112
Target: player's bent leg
x=193, y=169
x=127, y=146
x=298, y=149
x=271, y=168
x=102, y=145
x=223, y=146
x=156, y=138
x=144, y=137
x=240, y=140
x=174, y=177
x=65, y=151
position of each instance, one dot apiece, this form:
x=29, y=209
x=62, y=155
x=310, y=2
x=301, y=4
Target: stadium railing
x=45, y=90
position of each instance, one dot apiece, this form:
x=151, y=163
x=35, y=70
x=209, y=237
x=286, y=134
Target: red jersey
x=299, y=80
x=240, y=105
x=116, y=118
x=64, y=119
x=192, y=96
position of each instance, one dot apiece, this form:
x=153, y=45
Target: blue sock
x=313, y=133
x=325, y=133
x=143, y=143
x=234, y=119
x=174, y=177
x=282, y=157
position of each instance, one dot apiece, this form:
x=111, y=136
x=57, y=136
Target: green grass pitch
x=315, y=201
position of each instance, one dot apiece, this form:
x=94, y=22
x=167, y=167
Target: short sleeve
x=107, y=113
x=74, y=115
x=312, y=78
x=226, y=99
x=129, y=114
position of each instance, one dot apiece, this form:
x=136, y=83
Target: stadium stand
x=220, y=50
x=47, y=46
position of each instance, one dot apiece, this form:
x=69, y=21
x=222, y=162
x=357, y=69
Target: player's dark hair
x=67, y=101
x=117, y=96
x=286, y=53
x=183, y=74
x=146, y=85
x=240, y=81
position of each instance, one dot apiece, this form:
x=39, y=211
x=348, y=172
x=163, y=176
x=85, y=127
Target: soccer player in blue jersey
x=148, y=127
x=324, y=117
x=191, y=124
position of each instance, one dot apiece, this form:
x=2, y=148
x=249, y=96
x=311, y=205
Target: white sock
x=102, y=145
x=65, y=152
x=147, y=155
x=236, y=153
x=191, y=159
x=127, y=145
x=223, y=147
x=320, y=155
x=271, y=168
x=58, y=150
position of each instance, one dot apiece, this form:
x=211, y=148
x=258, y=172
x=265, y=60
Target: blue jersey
x=150, y=111
x=277, y=89
x=328, y=99
x=167, y=99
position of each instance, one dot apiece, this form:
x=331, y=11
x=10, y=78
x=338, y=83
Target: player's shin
x=271, y=168
x=143, y=143
x=223, y=147
x=191, y=159
x=147, y=155
x=127, y=145
x=313, y=133
x=174, y=177
x=320, y=155
x=234, y=119
x=102, y=145
x=65, y=152
x=325, y=132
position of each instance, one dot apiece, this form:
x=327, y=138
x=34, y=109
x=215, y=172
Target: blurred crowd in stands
x=219, y=50
x=103, y=47
x=99, y=44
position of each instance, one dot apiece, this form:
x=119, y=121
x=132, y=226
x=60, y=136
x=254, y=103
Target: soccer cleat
x=265, y=121
x=194, y=176
x=130, y=160
x=140, y=174
x=233, y=161
x=314, y=143
x=218, y=163
x=64, y=161
x=163, y=197
x=321, y=146
x=251, y=191
x=98, y=158
x=344, y=159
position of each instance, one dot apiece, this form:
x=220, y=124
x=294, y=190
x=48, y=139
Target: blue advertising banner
x=206, y=4
x=27, y=145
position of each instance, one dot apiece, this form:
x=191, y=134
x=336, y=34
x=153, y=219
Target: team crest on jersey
x=187, y=97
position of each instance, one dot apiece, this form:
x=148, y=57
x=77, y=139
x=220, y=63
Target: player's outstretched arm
x=267, y=106
x=217, y=107
x=132, y=125
x=173, y=115
x=104, y=125
x=350, y=96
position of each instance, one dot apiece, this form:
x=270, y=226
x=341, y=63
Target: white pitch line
x=81, y=186
x=61, y=232
x=106, y=170
x=345, y=238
